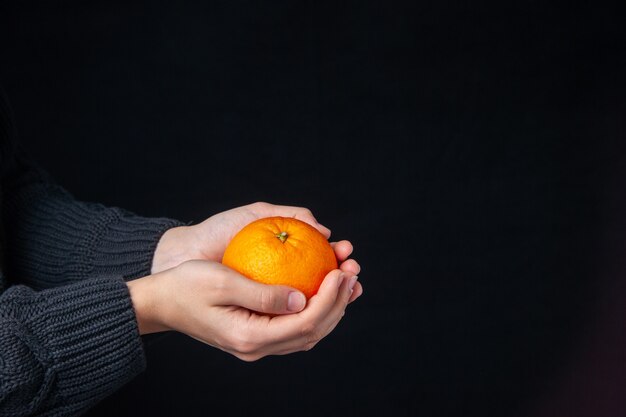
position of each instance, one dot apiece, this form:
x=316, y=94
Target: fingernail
x=352, y=282
x=295, y=301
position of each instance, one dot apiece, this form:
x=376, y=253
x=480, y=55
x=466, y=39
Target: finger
x=321, y=303
x=297, y=342
x=303, y=214
x=240, y=291
x=319, y=325
x=351, y=266
x=289, y=328
x=346, y=290
x=323, y=230
x=342, y=249
x=358, y=291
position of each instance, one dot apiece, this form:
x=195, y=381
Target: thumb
x=263, y=298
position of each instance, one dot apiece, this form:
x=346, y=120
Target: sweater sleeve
x=55, y=239
x=64, y=349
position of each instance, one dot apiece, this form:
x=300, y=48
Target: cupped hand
x=208, y=240
x=224, y=309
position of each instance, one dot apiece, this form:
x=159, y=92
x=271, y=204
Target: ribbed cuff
x=125, y=243
x=91, y=334
x=56, y=239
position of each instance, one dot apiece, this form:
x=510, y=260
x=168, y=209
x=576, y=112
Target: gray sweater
x=68, y=334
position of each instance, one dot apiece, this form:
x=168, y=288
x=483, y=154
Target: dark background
x=471, y=152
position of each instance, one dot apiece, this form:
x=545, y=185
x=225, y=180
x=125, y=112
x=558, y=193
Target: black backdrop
x=471, y=152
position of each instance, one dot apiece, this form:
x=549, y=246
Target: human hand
x=208, y=240
x=216, y=305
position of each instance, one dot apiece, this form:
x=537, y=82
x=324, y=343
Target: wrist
x=173, y=248
x=144, y=297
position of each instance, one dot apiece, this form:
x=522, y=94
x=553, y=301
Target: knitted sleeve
x=53, y=239
x=64, y=349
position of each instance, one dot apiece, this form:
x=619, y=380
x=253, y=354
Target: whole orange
x=283, y=251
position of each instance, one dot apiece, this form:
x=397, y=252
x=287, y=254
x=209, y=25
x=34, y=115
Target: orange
x=283, y=251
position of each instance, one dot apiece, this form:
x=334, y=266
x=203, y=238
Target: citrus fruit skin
x=281, y=251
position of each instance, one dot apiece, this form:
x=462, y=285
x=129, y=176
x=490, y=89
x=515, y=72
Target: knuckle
x=242, y=343
x=268, y=300
x=311, y=334
x=309, y=345
x=260, y=204
x=248, y=357
x=315, y=338
x=307, y=329
x=246, y=347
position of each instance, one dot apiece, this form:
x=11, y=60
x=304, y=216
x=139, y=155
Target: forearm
x=53, y=239
x=66, y=348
